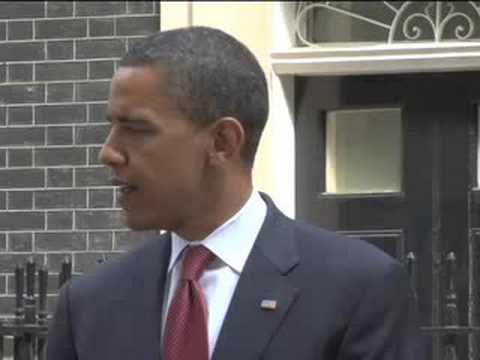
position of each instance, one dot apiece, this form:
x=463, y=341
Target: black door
x=392, y=159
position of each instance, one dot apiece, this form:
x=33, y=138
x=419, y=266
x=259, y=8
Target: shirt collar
x=232, y=241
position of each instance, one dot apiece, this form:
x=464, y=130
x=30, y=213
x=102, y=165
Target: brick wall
x=56, y=62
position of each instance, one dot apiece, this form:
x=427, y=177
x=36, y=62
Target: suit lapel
x=248, y=326
x=142, y=306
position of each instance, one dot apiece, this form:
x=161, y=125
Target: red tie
x=186, y=332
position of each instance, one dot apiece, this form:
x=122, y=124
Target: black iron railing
x=29, y=326
x=448, y=334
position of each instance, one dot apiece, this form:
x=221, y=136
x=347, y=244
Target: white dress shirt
x=231, y=242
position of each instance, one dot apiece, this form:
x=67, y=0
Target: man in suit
x=187, y=108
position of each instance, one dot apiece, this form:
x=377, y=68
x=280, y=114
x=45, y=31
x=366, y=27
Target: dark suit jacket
x=337, y=298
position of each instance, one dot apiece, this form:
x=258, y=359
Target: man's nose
x=110, y=156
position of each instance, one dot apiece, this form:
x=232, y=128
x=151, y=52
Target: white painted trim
x=282, y=131
x=175, y=14
x=280, y=126
x=377, y=59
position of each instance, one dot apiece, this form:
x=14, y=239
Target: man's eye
x=136, y=129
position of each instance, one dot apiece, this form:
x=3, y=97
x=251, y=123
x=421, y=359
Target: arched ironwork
x=410, y=23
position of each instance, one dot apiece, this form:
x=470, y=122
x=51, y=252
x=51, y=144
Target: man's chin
x=135, y=223
x=138, y=223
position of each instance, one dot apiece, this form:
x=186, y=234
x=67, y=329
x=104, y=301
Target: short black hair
x=210, y=75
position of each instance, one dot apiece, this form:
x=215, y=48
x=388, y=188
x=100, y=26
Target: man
x=232, y=277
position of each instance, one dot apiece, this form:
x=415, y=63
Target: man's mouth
x=127, y=189
x=124, y=187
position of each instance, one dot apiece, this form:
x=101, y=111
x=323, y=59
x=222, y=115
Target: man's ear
x=228, y=137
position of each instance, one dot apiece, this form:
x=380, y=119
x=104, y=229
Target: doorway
x=392, y=159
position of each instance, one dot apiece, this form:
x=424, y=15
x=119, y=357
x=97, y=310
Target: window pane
x=363, y=151
x=332, y=26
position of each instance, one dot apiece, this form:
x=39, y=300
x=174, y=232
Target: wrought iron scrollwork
x=410, y=23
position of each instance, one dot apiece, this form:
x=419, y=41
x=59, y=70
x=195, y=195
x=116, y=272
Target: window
x=324, y=22
x=363, y=151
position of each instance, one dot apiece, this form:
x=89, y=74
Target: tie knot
x=195, y=261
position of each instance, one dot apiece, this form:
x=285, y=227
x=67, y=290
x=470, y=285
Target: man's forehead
x=139, y=87
x=135, y=78
x=139, y=79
